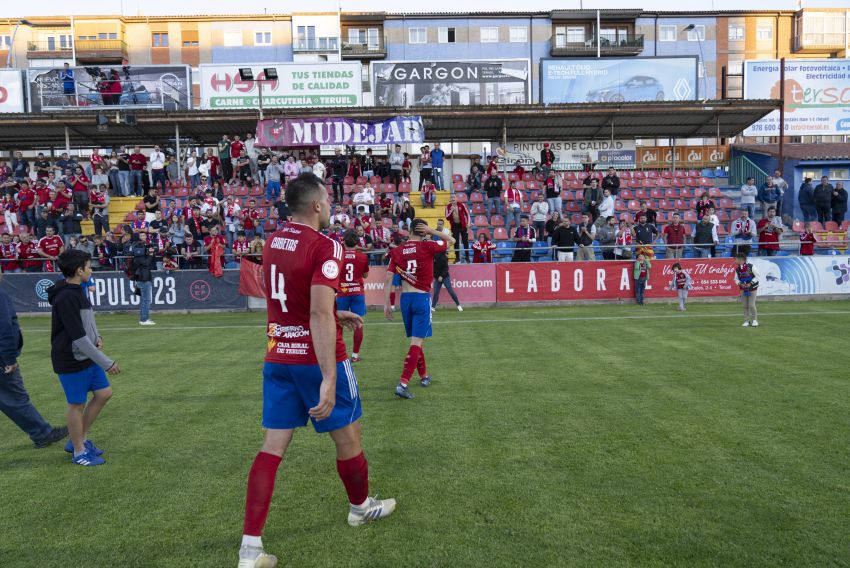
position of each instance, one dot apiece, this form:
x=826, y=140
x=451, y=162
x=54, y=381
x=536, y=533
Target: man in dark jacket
x=839, y=202
x=823, y=199
x=806, y=198
x=611, y=181
x=14, y=400
x=564, y=239
x=338, y=170
x=144, y=262
x=547, y=159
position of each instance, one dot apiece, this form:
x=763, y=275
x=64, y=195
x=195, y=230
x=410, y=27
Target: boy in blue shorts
x=77, y=357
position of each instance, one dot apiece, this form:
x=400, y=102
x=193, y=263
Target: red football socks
x=354, y=474
x=358, y=339
x=392, y=298
x=260, y=489
x=420, y=365
x=410, y=362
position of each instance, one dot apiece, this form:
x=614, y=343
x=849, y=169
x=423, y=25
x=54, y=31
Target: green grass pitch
x=574, y=436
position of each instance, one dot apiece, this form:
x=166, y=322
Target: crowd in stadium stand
x=232, y=195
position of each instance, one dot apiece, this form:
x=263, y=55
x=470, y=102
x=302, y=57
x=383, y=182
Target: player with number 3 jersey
x=352, y=292
x=307, y=375
x=413, y=261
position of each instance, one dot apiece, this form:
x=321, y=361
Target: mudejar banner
x=451, y=83
x=336, y=131
x=297, y=85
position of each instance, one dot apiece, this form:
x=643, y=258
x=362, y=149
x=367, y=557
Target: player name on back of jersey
x=284, y=243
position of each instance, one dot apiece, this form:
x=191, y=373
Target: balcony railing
x=315, y=45
x=48, y=48
x=100, y=48
x=631, y=44
x=819, y=41
x=362, y=50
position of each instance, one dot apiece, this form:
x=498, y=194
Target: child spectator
x=807, y=241
x=428, y=194
x=77, y=357
x=405, y=168
x=681, y=283
x=482, y=250
x=641, y=274
x=747, y=279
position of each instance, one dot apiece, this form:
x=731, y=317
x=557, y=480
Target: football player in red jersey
x=307, y=375
x=414, y=263
x=352, y=293
x=50, y=247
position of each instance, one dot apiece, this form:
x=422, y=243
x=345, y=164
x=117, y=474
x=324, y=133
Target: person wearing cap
x=547, y=159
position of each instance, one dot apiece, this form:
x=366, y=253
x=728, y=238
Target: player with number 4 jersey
x=352, y=292
x=413, y=261
x=307, y=375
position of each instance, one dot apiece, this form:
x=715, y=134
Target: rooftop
x=822, y=151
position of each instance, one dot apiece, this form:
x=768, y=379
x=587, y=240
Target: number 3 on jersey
x=349, y=272
x=278, y=284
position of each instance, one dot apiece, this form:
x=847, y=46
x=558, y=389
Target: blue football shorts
x=356, y=304
x=290, y=391
x=416, y=313
x=78, y=385
x=396, y=280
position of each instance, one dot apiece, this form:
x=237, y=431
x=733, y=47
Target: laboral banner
x=817, y=96
x=287, y=132
x=795, y=275
x=297, y=85
x=112, y=291
x=618, y=80
x=664, y=156
x=608, y=280
x=167, y=87
x=450, y=83
x=570, y=155
x=11, y=91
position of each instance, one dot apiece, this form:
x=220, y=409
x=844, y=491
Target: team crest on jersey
x=330, y=269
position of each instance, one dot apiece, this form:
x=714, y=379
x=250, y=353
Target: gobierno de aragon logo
x=41, y=288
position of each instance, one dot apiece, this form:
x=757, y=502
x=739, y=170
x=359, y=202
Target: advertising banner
x=11, y=91
x=450, y=83
x=167, y=87
x=793, y=275
x=179, y=290
x=608, y=280
x=297, y=85
x=666, y=156
x=618, y=80
x=288, y=132
x=817, y=96
x=570, y=155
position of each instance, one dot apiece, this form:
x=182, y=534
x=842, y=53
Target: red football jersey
x=27, y=253
x=295, y=258
x=355, y=265
x=414, y=262
x=51, y=246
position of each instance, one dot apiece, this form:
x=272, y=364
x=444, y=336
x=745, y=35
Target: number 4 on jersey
x=278, y=284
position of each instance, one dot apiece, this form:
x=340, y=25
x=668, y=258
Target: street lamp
x=269, y=74
x=12, y=42
x=690, y=28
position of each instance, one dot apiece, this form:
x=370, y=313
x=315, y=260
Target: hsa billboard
x=817, y=96
x=618, y=80
x=297, y=85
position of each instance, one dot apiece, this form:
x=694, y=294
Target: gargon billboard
x=297, y=85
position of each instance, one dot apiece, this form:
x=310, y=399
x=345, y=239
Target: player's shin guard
x=354, y=474
x=260, y=488
x=420, y=364
x=410, y=363
x=392, y=298
x=358, y=339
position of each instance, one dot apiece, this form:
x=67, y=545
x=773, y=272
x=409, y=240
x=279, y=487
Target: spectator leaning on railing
x=749, y=192
x=770, y=231
x=705, y=237
x=839, y=203
x=607, y=237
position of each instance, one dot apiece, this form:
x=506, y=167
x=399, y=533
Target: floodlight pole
x=260, y=92
x=781, y=165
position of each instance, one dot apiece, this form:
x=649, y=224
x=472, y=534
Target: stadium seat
x=686, y=193
x=845, y=225
x=485, y=232
x=831, y=226
x=667, y=174
x=573, y=206
x=348, y=180
x=639, y=175
x=726, y=203
x=478, y=208
x=520, y=185
x=680, y=205
x=528, y=176
x=641, y=194
x=481, y=221
x=619, y=205
x=497, y=221
x=500, y=234
x=626, y=194
x=690, y=216
x=734, y=214
x=652, y=174
x=461, y=197
x=656, y=193
x=723, y=216
x=513, y=177
x=721, y=230
x=477, y=197
x=457, y=177
x=670, y=193
x=665, y=205
x=816, y=226
x=798, y=226
x=664, y=183
x=459, y=186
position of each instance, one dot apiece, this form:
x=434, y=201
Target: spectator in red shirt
x=28, y=254
x=807, y=241
x=236, y=147
x=674, y=237
x=519, y=170
x=138, y=164
x=770, y=230
x=458, y=217
x=27, y=201
x=64, y=196
x=8, y=254
x=492, y=166
x=482, y=250
x=212, y=237
x=703, y=205
x=79, y=183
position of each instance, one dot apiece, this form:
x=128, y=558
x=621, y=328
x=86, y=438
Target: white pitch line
x=499, y=320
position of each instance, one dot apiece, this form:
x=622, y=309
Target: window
x=823, y=28
x=373, y=38
x=88, y=38
x=735, y=67
x=232, y=38
x=113, y=35
x=764, y=32
x=575, y=35
x=736, y=32
x=519, y=34
x=263, y=38
x=446, y=35
x=159, y=40
x=666, y=33
x=560, y=37
x=839, y=174
x=697, y=34
x=417, y=35
x=489, y=35
x=5, y=42
x=701, y=70
x=190, y=38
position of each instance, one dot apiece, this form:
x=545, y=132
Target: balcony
x=364, y=50
x=818, y=42
x=48, y=50
x=315, y=45
x=101, y=51
x=631, y=44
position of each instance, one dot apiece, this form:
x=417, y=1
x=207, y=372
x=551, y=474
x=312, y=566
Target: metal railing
x=48, y=47
x=315, y=44
x=166, y=95
x=100, y=47
x=819, y=40
x=609, y=44
x=361, y=49
x=741, y=168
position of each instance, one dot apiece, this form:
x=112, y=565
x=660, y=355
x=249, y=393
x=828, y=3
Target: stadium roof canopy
x=586, y=121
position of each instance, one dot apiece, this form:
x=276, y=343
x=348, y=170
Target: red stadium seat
x=722, y=216
x=727, y=203
x=656, y=193
x=348, y=180
x=715, y=193
x=478, y=208
x=569, y=176
x=626, y=194
x=457, y=177
x=845, y=225
x=690, y=216
x=652, y=174
x=497, y=221
x=528, y=176
x=721, y=230
x=639, y=175
x=461, y=197
x=477, y=197
x=680, y=205
x=648, y=184
x=831, y=226
x=665, y=205
x=459, y=186
x=634, y=205
x=663, y=182
x=670, y=193
x=500, y=234
x=817, y=227
x=798, y=226
x=520, y=185
x=666, y=174
x=513, y=177
x=483, y=231
x=481, y=221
